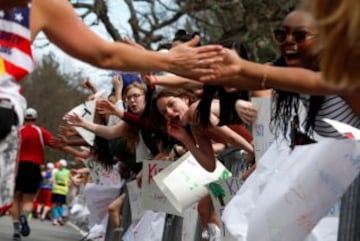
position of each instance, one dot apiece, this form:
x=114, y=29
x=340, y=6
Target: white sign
x=183, y=182
x=261, y=129
x=306, y=187
x=150, y=227
x=87, y=111
x=98, y=198
x=136, y=208
x=101, y=176
x=151, y=196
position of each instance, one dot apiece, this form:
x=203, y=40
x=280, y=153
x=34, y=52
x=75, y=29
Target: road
x=40, y=231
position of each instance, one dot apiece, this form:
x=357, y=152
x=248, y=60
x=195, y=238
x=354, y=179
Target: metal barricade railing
x=234, y=159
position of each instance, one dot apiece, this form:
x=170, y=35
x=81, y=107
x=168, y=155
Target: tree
x=52, y=94
x=154, y=21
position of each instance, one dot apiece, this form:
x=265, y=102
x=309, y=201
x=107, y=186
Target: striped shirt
x=15, y=55
x=333, y=107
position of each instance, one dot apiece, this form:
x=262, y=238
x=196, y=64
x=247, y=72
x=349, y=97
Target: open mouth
x=291, y=54
x=292, y=57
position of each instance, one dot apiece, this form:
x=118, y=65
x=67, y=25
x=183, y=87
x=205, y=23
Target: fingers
x=194, y=41
x=246, y=111
x=248, y=115
x=216, y=49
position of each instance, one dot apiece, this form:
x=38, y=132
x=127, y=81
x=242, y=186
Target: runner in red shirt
x=28, y=178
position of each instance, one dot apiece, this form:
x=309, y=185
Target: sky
x=100, y=78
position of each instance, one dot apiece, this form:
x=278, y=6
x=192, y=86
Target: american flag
x=15, y=43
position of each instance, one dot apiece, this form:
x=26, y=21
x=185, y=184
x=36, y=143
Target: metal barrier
x=233, y=159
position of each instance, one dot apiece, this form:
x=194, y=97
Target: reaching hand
x=105, y=107
x=74, y=120
x=177, y=131
x=117, y=83
x=67, y=131
x=193, y=62
x=147, y=78
x=88, y=85
x=225, y=71
x=59, y=142
x=246, y=111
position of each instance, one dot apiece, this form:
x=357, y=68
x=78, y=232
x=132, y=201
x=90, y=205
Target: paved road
x=40, y=231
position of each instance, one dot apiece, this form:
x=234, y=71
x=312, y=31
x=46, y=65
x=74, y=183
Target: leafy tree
x=154, y=21
x=52, y=93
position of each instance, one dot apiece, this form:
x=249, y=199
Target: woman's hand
x=59, y=142
x=118, y=84
x=105, y=107
x=177, y=131
x=67, y=131
x=190, y=61
x=246, y=111
x=225, y=71
x=74, y=120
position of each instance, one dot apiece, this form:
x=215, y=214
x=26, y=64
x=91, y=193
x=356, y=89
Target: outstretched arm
x=64, y=28
x=202, y=151
x=254, y=76
x=107, y=132
x=172, y=81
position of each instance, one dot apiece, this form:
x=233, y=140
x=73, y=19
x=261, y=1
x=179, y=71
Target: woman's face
x=174, y=109
x=135, y=100
x=296, y=38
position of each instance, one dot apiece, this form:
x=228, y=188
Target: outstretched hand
x=67, y=131
x=74, y=119
x=58, y=142
x=105, y=107
x=193, y=62
x=246, y=111
x=224, y=72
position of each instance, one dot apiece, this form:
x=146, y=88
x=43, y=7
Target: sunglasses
x=299, y=36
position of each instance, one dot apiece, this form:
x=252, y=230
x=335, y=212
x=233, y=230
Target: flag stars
x=18, y=17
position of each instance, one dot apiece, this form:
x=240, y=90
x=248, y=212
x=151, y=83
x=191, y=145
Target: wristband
x=264, y=78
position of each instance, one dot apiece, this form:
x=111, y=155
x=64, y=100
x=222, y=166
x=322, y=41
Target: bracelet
x=264, y=78
x=155, y=80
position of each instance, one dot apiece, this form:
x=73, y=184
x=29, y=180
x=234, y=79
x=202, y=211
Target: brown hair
x=339, y=24
x=132, y=131
x=156, y=116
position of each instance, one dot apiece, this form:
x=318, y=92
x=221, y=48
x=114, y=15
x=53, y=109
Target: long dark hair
x=286, y=103
x=227, y=99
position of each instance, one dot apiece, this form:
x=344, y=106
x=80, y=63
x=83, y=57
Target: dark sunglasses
x=299, y=36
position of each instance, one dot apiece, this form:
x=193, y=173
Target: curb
x=77, y=228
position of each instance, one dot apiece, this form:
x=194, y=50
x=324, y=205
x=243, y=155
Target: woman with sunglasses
x=297, y=71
